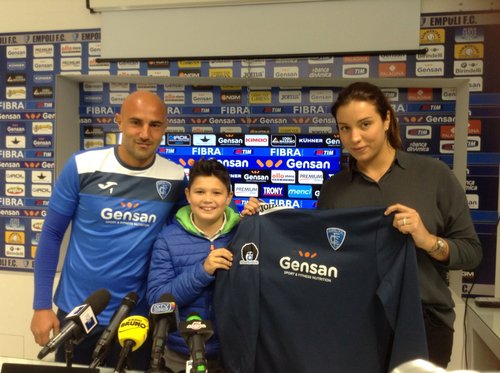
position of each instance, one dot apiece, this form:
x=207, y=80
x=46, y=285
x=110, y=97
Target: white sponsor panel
x=158, y=72
x=36, y=225
x=435, y=68
x=94, y=49
x=356, y=71
x=41, y=177
x=246, y=190
x=283, y=176
x=449, y=94
x=43, y=50
x=15, y=190
x=174, y=97
x=392, y=57
x=15, y=142
x=472, y=67
x=41, y=190
x=418, y=132
x=71, y=49
x=94, y=65
x=117, y=98
x=256, y=140
x=203, y=98
x=473, y=201
x=320, y=60
x=434, y=52
x=220, y=63
x=14, y=251
x=16, y=51
x=290, y=97
x=321, y=96
x=15, y=93
x=253, y=72
x=204, y=140
x=310, y=177
x=15, y=176
x=93, y=87
x=475, y=83
x=43, y=128
x=286, y=72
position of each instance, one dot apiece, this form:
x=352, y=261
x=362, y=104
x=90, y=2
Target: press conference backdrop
x=461, y=45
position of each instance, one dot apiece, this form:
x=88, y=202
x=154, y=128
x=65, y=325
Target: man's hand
x=42, y=323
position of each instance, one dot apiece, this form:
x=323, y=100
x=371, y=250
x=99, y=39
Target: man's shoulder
x=166, y=168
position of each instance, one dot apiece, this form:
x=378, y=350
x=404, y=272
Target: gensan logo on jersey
x=303, y=264
x=127, y=213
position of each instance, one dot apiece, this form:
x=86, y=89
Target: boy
x=188, y=252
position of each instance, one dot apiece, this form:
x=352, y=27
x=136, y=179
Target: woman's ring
x=404, y=221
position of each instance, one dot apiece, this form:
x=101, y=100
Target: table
x=49, y=363
x=483, y=337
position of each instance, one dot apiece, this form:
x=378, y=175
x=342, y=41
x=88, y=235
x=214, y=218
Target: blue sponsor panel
x=287, y=169
x=300, y=191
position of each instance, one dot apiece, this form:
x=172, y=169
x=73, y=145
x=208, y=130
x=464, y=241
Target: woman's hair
x=364, y=91
x=209, y=167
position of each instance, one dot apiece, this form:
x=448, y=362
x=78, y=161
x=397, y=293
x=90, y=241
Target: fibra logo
x=336, y=237
x=164, y=307
x=108, y=185
x=163, y=187
x=249, y=254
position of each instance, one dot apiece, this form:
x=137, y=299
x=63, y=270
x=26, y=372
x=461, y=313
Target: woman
x=421, y=192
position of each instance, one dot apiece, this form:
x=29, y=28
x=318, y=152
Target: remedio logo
x=249, y=254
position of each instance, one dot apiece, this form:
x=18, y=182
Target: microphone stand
x=69, y=348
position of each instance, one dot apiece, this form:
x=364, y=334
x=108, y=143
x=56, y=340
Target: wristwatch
x=440, y=244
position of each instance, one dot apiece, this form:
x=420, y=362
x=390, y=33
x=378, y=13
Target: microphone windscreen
x=193, y=316
x=167, y=297
x=131, y=299
x=133, y=328
x=98, y=300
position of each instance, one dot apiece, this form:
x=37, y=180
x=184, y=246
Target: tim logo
x=249, y=254
x=163, y=187
x=336, y=237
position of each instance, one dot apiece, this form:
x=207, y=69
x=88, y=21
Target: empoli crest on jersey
x=336, y=237
x=163, y=187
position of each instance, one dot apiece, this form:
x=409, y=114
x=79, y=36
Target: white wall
x=16, y=291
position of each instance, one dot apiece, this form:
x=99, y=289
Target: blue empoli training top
x=320, y=291
x=116, y=213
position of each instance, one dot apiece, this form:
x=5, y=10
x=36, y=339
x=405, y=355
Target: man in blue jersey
x=117, y=200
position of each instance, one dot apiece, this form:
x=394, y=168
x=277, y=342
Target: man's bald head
x=142, y=99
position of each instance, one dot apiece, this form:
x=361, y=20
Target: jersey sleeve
x=47, y=256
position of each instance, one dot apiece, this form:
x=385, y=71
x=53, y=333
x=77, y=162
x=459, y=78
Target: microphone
x=196, y=331
x=164, y=315
x=81, y=318
x=132, y=333
x=107, y=338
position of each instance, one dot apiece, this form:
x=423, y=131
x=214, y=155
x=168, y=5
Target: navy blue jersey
x=319, y=291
